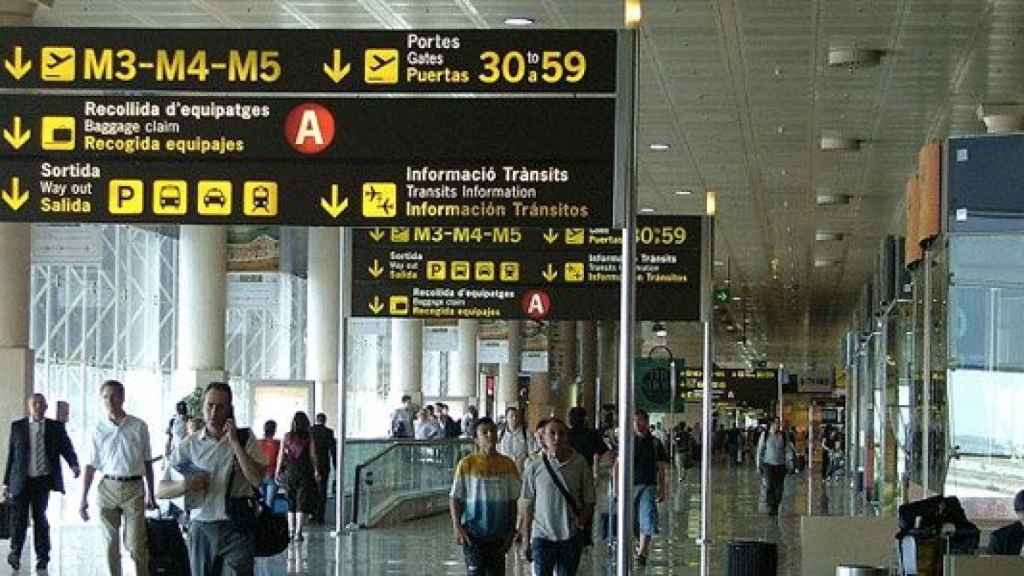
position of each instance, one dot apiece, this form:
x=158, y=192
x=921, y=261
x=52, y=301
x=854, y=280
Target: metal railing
x=402, y=469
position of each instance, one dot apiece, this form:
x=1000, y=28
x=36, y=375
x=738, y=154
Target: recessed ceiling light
x=839, y=143
x=832, y=199
x=719, y=263
x=647, y=210
x=853, y=58
x=825, y=262
x=684, y=192
x=736, y=298
x=660, y=146
x=828, y=236
x=518, y=21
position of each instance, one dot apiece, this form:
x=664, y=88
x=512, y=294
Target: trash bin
x=752, y=558
x=855, y=570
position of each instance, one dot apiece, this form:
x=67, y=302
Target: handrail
x=421, y=443
x=358, y=473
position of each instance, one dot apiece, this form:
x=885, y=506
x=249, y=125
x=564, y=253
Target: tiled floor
x=426, y=546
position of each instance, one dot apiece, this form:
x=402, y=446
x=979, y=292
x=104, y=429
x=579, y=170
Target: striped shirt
x=487, y=488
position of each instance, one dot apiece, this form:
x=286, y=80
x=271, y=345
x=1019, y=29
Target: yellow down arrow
x=19, y=67
x=550, y=273
x=376, y=306
x=15, y=137
x=15, y=198
x=551, y=236
x=334, y=208
x=335, y=71
x=377, y=234
x=376, y=270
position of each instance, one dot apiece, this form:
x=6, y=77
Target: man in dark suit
x=1009, y=539
x=33, y=471
x=326, y=454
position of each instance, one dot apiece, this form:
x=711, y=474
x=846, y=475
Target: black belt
x=123, y=478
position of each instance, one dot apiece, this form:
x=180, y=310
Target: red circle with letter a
x=309, y=128
x=536, y=304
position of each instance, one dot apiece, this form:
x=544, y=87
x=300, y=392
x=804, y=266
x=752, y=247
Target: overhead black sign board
x=514, y=273
x=322, y=61
x=299, y=194
x=415, y=130
x=754, y=388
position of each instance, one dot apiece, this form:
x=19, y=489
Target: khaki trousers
x=127, y=499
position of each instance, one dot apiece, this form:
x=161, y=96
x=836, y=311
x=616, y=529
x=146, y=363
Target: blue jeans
x=268, y=489
x=556, y=557
x=645, y=511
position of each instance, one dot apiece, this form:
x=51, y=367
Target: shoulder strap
x=561, y=487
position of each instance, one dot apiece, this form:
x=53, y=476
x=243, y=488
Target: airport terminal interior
x=334, y=204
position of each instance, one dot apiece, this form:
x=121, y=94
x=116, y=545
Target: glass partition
x=402, y=470
x=938, y=439
x=986, y=370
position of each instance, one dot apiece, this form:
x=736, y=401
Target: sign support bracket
x=626, y=188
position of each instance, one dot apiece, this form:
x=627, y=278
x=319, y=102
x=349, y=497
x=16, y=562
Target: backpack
x=398, y=428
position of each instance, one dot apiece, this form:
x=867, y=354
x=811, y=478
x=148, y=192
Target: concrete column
x=562, y=365
x=542, y=399
x=607, y=344
x=507, y=393
x=16, y=358
x=322, y=299
x=587, y=334
x=202, y=300
x=463, y=376
x=406, y=365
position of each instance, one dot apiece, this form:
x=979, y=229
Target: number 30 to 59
x=515, y=67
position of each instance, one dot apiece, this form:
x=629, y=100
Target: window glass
x=986, y=371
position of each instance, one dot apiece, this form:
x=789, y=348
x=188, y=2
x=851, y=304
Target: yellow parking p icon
x=126, y=197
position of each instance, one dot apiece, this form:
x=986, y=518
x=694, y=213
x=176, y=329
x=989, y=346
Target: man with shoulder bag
x=557, y=504
x=223, y=469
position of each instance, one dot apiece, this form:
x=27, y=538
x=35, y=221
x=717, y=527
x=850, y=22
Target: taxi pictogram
x=213, y=197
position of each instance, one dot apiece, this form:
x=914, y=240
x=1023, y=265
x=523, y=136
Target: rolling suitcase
x=168, y=555
x=752, y=558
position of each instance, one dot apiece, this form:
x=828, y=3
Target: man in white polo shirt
x=121, y=452
x=207, y=459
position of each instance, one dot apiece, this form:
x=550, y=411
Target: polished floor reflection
x=426, y=546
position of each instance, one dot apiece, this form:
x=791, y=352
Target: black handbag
x=248, y=514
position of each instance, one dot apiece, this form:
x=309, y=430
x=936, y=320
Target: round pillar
x=322, y=328
x=542, y=399
x=406, y=363
x=607, y=346
x=463, y=380
x=507, y=393
x=587, y=334
x=202, y=301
